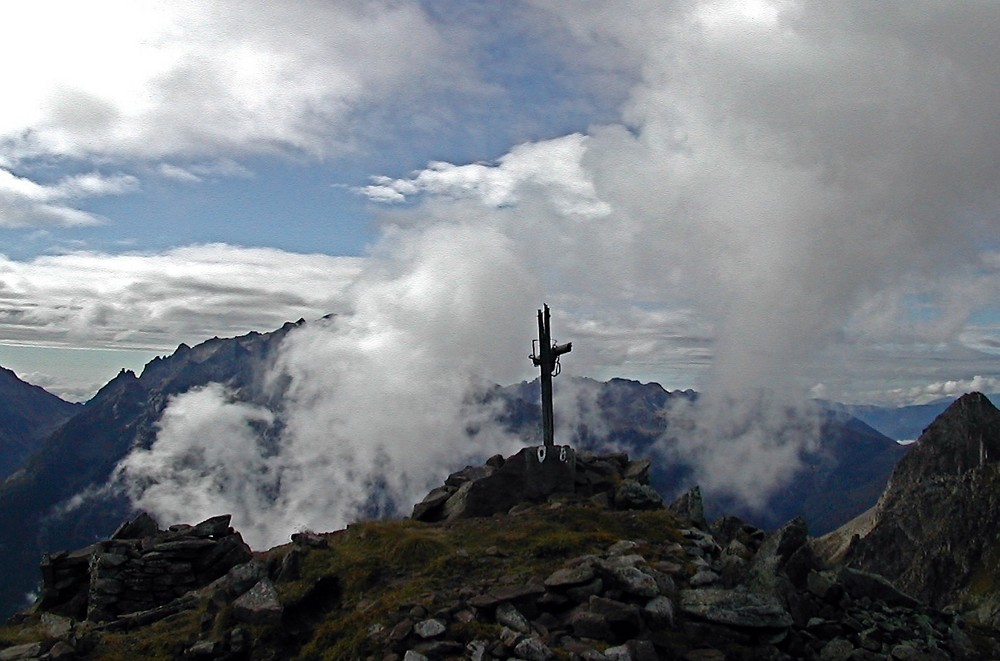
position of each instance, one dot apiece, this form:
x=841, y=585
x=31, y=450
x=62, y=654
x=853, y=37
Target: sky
x=718, y=195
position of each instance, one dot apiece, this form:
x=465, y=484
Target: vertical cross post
x=546, y=358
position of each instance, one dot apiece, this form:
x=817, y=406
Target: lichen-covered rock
x=631, y=495
x=690, y=506
x=259, y=604
x=735, y=608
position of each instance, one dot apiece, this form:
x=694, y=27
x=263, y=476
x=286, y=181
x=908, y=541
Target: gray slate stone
x=735, y=608
x=259, y=605
x=586, y=624
x=570, y=576
x=838, y=649
x=18, y=652
x=509, y=616
x=621, y=570
x=704, y=576
x=689, y=505
x=414, y=656
x=660, y=610
x=859, y=583
x=631, y=495
x=533, y=649
x=429, y=628
x=618, y=653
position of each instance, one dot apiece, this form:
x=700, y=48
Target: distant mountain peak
x=28, y=414
x=966, y=436
x=934, y=529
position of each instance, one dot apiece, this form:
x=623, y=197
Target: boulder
x=259, y=605
x=531, y=475
x=735, y=608
x=141, y=526
x=631, y=495
x=690, y=505
x=877, y=588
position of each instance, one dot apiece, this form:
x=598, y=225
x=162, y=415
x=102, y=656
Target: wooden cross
x=546, y=358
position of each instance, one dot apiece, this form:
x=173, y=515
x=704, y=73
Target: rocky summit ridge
x=581, y=567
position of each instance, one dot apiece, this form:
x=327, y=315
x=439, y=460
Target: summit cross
x=545, y=356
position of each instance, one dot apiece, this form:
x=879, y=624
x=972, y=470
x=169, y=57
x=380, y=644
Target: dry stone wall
x=140, y=568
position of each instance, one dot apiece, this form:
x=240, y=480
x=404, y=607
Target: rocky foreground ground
x=603, y=571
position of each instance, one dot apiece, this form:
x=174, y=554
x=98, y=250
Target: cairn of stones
x=139, y=568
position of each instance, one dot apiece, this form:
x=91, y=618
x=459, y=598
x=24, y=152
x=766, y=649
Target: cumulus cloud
x=377, y=401
x=553, y=165
x=804, y=179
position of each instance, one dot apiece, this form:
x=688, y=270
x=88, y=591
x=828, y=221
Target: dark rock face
x=535, y=474
x=139, y=569
x=934, y=531
x=965, y=437
x=28, y=415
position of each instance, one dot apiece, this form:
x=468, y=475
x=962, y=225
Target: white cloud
x=156, y=301
x=747, y=444
x=554, y=165
x=199, y=171
x=152, y=80
x=182, y=476
x=803, y=179
x=133, y=82
x=24, y=202
x=930, y=392
x=377, y=398
x=178, y=173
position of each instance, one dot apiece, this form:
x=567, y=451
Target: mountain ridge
x=933, y=529
x=28, y=414
x=36, y=513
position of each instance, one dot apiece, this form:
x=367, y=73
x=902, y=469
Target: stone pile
x=728, y=592
x=535, y=474
x=140, y=568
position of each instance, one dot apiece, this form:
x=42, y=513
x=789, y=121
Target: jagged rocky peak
x=964, y=437
x=933, y=532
